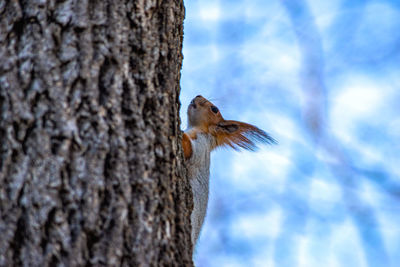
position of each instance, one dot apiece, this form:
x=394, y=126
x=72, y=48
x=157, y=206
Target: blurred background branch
x=315, y=120
x=322, y=77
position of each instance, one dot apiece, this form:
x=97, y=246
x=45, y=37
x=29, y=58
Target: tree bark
x=90, y=158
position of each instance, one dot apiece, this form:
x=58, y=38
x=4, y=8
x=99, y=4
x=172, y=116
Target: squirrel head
x=205, y=117
x=202, y=113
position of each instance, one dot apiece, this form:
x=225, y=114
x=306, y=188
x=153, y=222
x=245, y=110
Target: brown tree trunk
x=90, y=158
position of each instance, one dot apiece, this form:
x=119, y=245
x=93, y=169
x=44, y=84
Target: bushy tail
x=238, y=134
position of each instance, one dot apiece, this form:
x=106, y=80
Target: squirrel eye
x=214, y=109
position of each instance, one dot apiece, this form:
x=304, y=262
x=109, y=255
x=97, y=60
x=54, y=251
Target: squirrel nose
x=192, y=103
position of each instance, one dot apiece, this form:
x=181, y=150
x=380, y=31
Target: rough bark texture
x=90, y=158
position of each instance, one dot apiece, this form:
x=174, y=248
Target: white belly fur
x=199, y=175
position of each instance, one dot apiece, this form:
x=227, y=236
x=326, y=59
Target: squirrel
x=207, y=130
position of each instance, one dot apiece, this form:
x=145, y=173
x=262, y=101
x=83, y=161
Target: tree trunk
x=90, y=159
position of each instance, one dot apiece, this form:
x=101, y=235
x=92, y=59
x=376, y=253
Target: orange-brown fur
x=208, y=130
x=187, y=146
x=231, y=133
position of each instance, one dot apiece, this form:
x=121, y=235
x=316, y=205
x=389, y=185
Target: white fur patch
x=199, y=175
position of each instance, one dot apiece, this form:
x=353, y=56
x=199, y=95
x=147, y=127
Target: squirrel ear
x=238, y=134
x=228, y=126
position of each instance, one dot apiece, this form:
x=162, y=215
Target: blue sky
x=323, y=78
